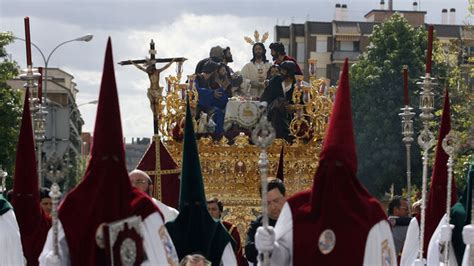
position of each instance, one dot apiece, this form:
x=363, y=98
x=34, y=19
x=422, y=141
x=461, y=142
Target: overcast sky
x=179, y=28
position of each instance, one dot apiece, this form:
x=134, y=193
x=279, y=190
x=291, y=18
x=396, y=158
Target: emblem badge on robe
x=386, y=254
x=122, y=241
x=171, y=255
x=327, y=241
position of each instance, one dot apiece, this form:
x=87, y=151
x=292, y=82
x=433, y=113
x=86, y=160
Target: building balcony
x=339, y=56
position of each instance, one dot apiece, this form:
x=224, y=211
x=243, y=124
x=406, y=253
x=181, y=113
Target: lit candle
x=430, y=49
x=28, y=41
x=405, y=85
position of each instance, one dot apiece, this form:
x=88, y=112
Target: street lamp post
x=85, y=38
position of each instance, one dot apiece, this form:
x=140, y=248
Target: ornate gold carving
x=241, y=140
x=313, y=104
x=231, y=173
x=230, y=169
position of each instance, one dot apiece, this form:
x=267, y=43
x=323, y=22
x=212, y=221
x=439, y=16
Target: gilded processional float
x=229, y=163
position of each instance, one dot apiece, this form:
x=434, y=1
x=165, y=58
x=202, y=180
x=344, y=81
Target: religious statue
x=155, y=91
x=254, y=73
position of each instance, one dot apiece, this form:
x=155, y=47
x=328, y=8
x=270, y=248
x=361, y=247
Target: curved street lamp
x=85, y=38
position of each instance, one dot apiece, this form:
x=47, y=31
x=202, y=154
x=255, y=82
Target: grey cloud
x=173, y=25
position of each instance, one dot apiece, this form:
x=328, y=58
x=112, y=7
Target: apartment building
x=330, y=42
x=63, y=125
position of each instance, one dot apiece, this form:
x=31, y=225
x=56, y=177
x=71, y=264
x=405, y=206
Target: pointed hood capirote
x=33, y=222
x=194, y=230
x=436, y=205
x=337, y=205
x=26, y=174
x=105, y=193
x=339, y=142
x=192, y=184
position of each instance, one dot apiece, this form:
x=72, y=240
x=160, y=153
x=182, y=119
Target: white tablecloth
x=243, y=113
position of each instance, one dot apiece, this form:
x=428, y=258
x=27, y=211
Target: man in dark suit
x=278, y=95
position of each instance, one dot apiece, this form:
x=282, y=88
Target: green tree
x=451, y=56
x=10, y=109
x=377, y=92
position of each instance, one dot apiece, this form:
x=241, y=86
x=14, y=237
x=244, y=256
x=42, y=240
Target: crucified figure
x=154, y=92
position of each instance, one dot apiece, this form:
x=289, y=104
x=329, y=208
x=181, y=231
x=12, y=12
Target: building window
x=348, y=46
x=321, y=45
x=357, y=46
x=300, y=56
x=467, y=54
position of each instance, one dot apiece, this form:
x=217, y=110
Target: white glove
x=446, y=233
x=419, y=262
x=265, y=239
x=468, y=234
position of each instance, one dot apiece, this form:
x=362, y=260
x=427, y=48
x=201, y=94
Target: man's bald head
x=141, y=180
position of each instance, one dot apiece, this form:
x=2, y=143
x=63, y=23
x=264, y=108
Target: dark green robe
x=461, y=216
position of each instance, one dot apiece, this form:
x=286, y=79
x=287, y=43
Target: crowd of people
x=276, y=198
x=196, y=235
x=216, y=82
x=334, y=222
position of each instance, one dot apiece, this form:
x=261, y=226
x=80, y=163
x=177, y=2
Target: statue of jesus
x=154, y=92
